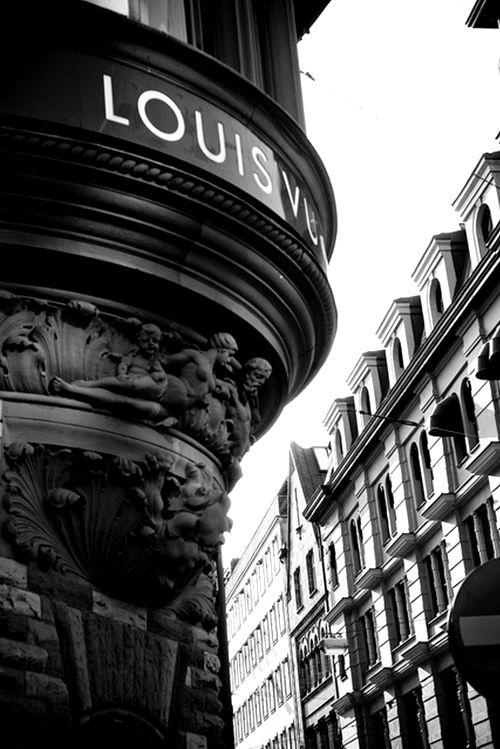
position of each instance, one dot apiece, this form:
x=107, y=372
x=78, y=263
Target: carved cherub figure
x=161, y=394
x=139, y=373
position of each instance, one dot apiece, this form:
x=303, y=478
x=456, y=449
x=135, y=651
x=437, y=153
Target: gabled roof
x=484, y=15
x=309, y=471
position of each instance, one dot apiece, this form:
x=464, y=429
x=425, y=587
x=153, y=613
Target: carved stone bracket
x=133, y=529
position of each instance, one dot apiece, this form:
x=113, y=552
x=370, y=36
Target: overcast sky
x=401, y=101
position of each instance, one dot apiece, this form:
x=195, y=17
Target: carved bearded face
x=257, y=373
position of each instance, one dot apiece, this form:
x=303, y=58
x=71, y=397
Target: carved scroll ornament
x=131, y=528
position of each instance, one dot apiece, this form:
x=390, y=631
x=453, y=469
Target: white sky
x=405, y=100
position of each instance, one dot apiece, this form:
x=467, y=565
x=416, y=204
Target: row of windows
x=314, y=668
x=311, y=580
x=253, y=38
x=462, y=428
x=437, y=592
x=257, y=584
x=287, y=739
x=454, y=714
x=325, y=734
x=480, y=534
x=266, y=699
x=260, y=641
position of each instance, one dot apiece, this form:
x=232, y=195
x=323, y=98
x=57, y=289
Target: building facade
x=411, y=505
x=317, y=674
x=261, y=666
x=166, y=228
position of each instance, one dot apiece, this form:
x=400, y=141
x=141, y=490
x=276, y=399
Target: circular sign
x=474, y=628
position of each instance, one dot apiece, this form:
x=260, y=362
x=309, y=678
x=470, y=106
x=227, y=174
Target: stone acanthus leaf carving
x=133, y=369
x=132, y=528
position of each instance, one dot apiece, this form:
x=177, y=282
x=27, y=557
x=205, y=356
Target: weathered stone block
x=118, y=611
x=44, y=634
x=165, y=624
x=46, y=687
x=13, y=653
x=22, y=601
x=202, y=679
x=13, y=572
x=55, y=587
x=14, y=626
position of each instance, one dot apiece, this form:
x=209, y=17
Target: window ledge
x=438, y=507
x=401, y=545
x=343, y=604
x=346, y=702
x=382, y=676
x=369, y=578
x=486, y=462
x=415, y=652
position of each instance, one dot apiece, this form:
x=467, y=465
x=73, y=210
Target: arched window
x=397, y=357
x=387, y=515
x=365, y=404
x=339, y=447
x=358, y=552
x=391, y=512
x=484, y=227
x=382, y=513
x=436, y=300
x=426, y=464
x=469, y=414
x=416, y=475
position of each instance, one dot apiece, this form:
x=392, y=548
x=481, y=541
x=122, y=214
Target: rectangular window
x=455, y=710
x=332, y=558
x=272, y=693
x=253, y=657
x=368, y=642
x=298, y=589
x=435, y=572
x=287, y=685
x=266, y=634
x=259, y=651
x=258, y=707
x=267, y=566
x=275, y=556
x=251, y=717
x=279, y=685
x=265, y=701
x=274, y=624
x=399, y=612
x=311, y=572
x=281, y=615
x=481, y=532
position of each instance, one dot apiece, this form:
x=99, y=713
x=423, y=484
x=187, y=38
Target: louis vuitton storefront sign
x=150, y=110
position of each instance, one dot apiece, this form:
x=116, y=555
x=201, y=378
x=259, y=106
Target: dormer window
x=365, y=403
x=339, y=448
x=484, y=227
x=436, y=300
x=397, y=357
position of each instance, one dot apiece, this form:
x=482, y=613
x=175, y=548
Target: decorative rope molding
x=175, y=181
